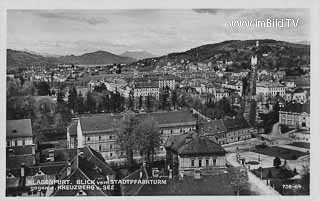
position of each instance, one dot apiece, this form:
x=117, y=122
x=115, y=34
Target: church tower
x=250, y=102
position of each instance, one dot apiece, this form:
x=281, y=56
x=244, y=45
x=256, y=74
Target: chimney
x=68, y=168
x=22, y=170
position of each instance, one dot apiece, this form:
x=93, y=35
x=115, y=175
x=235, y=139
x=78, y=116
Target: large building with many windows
x=270, y=89
x=100, y=131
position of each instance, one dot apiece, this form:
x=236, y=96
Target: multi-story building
x=235, y=85
x=270, y=89
x=190, y=152
x=20, y=145
x=220, y=93
x=100, y=131
x=228, y=130
x=145, y=89
x=297, y=119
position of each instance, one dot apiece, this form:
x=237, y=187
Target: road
x=258, y=186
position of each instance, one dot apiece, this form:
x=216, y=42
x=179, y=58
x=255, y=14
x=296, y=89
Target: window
x=8, y=143
x=99, y=138
x=110, y=154
x=200, y=163
x=100, y=148
x=207, y=162
x=192, y=163
x=111, y=146
x=23, y=142
x=110, y=137
x=88, y=138
x=16, y=143
x=214, y=161
x=121, y=153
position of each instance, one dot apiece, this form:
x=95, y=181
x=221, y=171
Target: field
x=283, y=153
x=300, y=144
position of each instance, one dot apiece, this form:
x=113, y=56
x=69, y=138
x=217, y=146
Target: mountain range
x=16, y=59
x=272, y=54
x=138, y=55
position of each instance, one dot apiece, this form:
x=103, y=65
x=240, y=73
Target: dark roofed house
x=19, y=132
x=20, y=146
x=86, y=165
x=238, y=129
x=189, y=152
x=227, y=130
x=215, y=130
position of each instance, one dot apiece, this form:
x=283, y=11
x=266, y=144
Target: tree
x=174, y=98
x=148, y=103
x=276, y=162
x=43, y=88
x=131, y=100
x=127, y=136
x=90, y=102
x=148, y=136
x=72, y=99
x=80, y=103
x=140, y=102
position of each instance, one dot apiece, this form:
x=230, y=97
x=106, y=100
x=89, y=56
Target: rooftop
x=193, y=144
x=19, y=128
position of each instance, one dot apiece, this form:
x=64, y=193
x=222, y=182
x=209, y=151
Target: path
x=257, y=185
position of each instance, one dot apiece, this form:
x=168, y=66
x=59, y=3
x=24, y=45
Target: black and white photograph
x=159, y=101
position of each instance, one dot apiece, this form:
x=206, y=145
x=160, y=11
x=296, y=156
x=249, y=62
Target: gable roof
x=175, y=117
x=214, y=127
x=99, y=122
x=236, y=123
x=19, y=128
x=191, y=144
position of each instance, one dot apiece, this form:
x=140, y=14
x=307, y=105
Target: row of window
x=200, y=163
x=15, y=143
x=111, y=137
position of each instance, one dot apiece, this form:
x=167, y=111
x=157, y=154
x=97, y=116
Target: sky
x=65, y=32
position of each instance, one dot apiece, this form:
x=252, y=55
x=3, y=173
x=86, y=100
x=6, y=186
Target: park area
x=287, y=154
x=300, y=144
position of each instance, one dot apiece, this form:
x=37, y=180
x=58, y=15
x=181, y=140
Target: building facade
x=100, y=131
x=295, y=119
x=190, y=152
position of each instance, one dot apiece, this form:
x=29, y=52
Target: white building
x=270, y=89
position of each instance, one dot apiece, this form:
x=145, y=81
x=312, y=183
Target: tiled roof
x=99, y=122
x=297, y=107
x=73, y=127
x=174, y=117
x=236, y=123
x=14, y=161
x=214, y=127
x=105, y=122
x=87, y=165
x=19, y=128
x=193, y=144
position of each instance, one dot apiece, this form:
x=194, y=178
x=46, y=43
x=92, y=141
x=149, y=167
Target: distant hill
x=304, y=42
x=18, y=59
x=272, y=54
x=138, y=54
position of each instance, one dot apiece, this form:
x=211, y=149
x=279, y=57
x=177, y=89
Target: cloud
x=84, y=17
